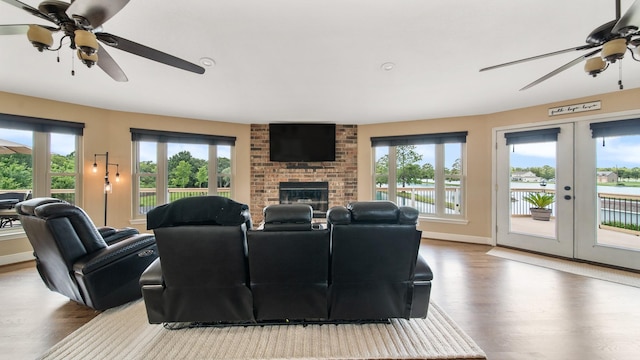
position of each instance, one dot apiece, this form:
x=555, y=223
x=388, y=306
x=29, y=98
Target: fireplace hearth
x=315, y=194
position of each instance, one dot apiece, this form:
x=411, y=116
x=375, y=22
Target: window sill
x=138, y=221
x=12, y=234
x=458, y=221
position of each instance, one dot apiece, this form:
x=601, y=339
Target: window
x=171, y=165
x=422, y=171
x=26, y=145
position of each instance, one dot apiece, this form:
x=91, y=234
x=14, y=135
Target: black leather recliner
x=289, y=265
x=202, y=273
x=213, y=268
x=97, y=267
x=376, y=271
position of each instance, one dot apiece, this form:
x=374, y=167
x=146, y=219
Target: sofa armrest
x=136, y=243
x=112, y=235
x=106, y=231
x=423, y=271
x=152, y=275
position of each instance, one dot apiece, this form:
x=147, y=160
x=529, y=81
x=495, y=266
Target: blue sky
x=451, y=153
x=618, y=151
x=61, y=145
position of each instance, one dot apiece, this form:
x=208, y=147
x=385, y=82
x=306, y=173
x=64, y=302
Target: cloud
x=545, y=150
x=621, y=151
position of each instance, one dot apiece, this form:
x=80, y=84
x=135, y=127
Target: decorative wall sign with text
x=571, y=109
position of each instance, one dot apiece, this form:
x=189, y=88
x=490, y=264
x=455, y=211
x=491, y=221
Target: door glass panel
x=618, y=191
x=532, y=178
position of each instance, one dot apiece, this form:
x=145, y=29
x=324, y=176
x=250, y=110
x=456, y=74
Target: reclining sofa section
x=213, y=268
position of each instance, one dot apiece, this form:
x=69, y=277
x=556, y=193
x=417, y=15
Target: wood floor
x=512, y=310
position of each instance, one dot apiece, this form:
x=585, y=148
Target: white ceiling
x=320, y=60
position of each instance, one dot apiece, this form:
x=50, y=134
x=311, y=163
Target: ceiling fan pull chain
x=73, y=63
x=620, y=75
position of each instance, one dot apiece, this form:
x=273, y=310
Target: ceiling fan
x=80, y=21
x=611, y=40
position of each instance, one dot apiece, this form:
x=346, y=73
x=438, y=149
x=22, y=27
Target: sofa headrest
x=288, y=217
x=58, y=209
x=199, y=210
x=338, y=215
x=28, y=207
x=408, y=215
x=373, y=211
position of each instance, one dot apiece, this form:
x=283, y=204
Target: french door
x=539, y=162
x=590, y=169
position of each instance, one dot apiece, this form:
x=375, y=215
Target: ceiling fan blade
x=561, y=69
x=577, y=48
x=17, y=29
x=20, y=29
x=96, y=12
x=27, y=8
x=630, y=21
x=147, y=52
x=108, y=65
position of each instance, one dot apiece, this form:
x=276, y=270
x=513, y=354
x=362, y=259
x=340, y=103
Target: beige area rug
x=574, y=267
x=124, y=333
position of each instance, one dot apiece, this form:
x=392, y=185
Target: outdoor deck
x=526, y=225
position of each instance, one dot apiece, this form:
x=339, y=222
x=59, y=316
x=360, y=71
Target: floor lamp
x=108, y=188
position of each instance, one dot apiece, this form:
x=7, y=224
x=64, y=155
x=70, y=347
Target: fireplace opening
x=315, y=194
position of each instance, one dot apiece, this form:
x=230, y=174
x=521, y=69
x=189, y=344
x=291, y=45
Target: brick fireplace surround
x=267, y=175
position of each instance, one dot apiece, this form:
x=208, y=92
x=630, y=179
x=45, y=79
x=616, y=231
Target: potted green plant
x=540, y=202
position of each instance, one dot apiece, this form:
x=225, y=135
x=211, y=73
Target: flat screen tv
x=302, y=142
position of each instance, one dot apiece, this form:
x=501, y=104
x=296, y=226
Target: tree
x=202, y=176
x=382, y=170
x=456, y=170
x=224, y=167
x=16, y=172
x=410, y=174
x=61, y=164
x=148, y=167
x=428, y=171
x=180, y=175
x=548, y=172
x=407, y=160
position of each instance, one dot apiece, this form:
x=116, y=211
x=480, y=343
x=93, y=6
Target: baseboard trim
x=458, y=237
x=16, y=258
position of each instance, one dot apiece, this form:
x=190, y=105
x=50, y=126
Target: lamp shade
x=614, y=50
x=594, y=66
x=40, y=37
x=86, y=41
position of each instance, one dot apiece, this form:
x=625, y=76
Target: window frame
x=439, y=141
x=41, y=130
x=162, y=140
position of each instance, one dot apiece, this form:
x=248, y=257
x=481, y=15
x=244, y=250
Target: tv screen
x=302, y=142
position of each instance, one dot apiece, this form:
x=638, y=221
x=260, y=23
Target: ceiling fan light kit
x=614, y=50
x=40, y=37
x=595, y=66
x=86, y=41
x=80, y=21
x=611, y=40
